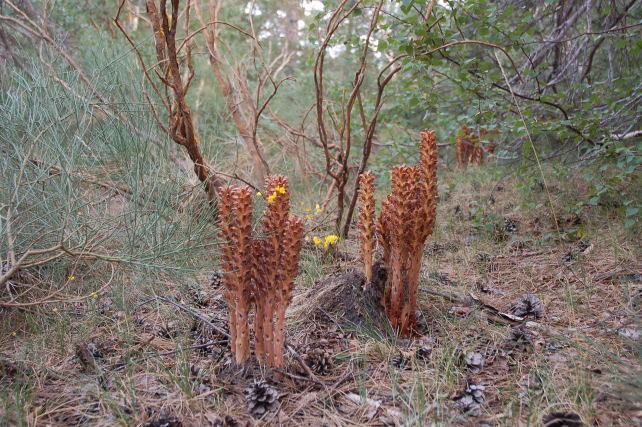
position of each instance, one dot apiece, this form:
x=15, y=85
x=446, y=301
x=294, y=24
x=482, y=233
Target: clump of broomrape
x=469, y=149
x=406, y=221
x=259, y=271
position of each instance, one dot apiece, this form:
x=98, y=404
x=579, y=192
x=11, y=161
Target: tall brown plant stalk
x=276, y=265
x=406, y=221
x=235, y=215
x=366, y=220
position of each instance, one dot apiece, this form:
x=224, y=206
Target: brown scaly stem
x=235, y=213
x=259, y=306
x=227, y=257
x=366, y=220
x=288, y=270
x=242, y=202
x=274, y=224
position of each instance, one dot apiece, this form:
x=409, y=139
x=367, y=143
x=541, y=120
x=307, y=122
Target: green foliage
x=95, y=182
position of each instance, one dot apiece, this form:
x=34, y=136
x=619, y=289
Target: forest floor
x=121, y=359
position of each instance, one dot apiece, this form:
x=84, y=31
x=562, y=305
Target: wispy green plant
x=85, y=189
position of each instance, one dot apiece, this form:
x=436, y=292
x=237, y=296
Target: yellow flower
x=318, y=209
x=95, y=295
x=272, y=197
x=302, y=203
x=259, y=194
x=331, y=240
x=308, y=210
x=92, y=203
x=79, y=213
x=72, y=277
x=309, y=217
x=55, y=310
x=317, y=241
x=13, y=334
x=307, y=238
x=325, y=246
x=281, y=190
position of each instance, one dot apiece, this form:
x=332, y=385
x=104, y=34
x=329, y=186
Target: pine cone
x=562, y=419
x=261, y=398
x=400, y=361
x=226, y=421
x=527, y=305
x=472, y=398
x=318, y=360
x=475, y=362
x=519, y=334
x=216, y=279
x=510, y=225
x=424, y=351
x=164, y=420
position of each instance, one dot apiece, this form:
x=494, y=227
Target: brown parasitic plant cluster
x=259, y=271
x=406, y=221
x=469, y=149
x=366, y=220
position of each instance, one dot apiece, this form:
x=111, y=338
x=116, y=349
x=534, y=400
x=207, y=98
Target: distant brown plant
x=470, y=150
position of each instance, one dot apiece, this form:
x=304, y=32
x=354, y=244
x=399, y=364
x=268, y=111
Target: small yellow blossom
x=259, y=194
x=302, y=203
x=72, y=277
x=55, y=310
x=95, y=295
x=318, y=209
x=309, y=217
x=280, y=189
x=308, y=210
x=331, y=240
x=92, y=203
x=307, y=238
x=79, y=213
x=325, y=245
x=272, y=197
x=317, y=241
x=13, y=334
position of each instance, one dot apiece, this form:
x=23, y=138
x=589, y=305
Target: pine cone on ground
x=562, y=419
x=519, y=335
x=227, y=421
x=475, y=362
x=261, y=398
x=527, y=305
x=510, y=225
x=424, y=351
x=400, y=361
x=319, y=360
x=472, y=398
x=215, y=279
